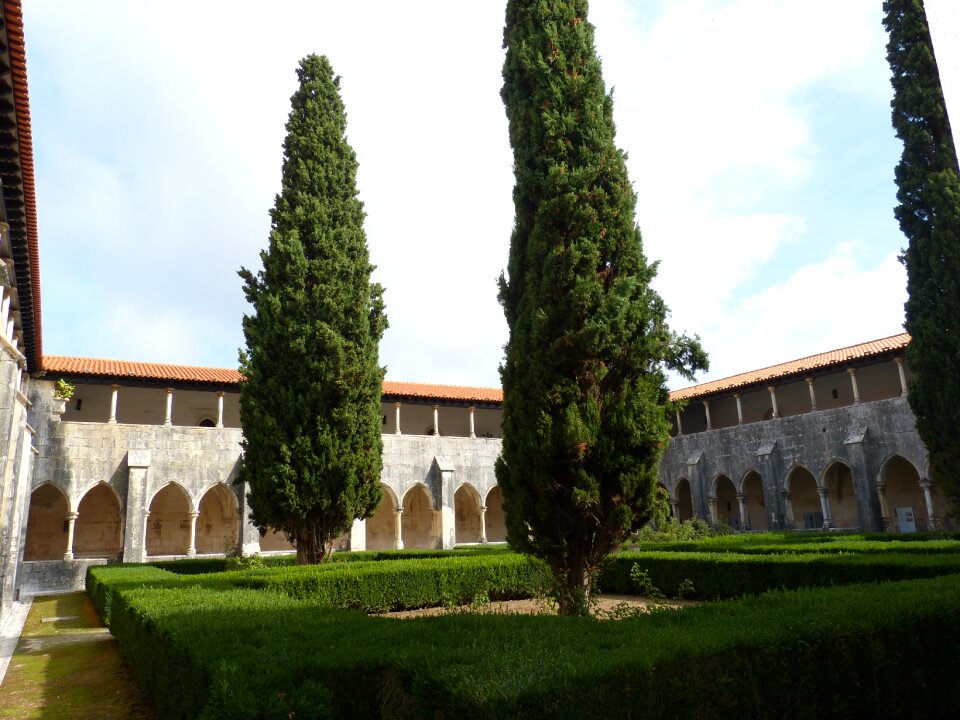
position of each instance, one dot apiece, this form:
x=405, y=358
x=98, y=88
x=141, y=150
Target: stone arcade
x=141, y=462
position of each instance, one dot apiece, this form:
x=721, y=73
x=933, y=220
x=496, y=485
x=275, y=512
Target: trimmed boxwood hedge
x=862, y=651
x=728, y=574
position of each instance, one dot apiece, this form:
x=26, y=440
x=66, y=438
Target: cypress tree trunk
x=929, y=215
x=310, y=398
x=585, y=417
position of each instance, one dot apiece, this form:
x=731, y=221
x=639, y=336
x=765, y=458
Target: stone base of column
x=68, y=556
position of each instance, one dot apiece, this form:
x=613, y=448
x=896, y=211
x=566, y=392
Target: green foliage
x=64, y=390
x=928, y=181
x=842, y=652
x=670, y=529
x=384, y=586
x=310, y=398
x=585, y=418
x=730, y=575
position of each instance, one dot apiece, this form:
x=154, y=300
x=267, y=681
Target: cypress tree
x=585, y=418
x=928, y=184
x=310, y=397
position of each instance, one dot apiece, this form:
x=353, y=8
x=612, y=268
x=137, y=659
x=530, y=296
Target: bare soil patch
x=609, y=607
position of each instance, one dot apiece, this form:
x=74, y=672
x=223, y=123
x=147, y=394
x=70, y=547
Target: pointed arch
x=419, y=526
x=496, y=518
x=684, y=499
x=98, y=531
x=466, y=511
x=380, y=528
x=218, y=523
x=904, y=496
x=728, y=507
x=168, y=524
x=837, y=480
x=46, y=524
x=803, y=499
x=751, y=487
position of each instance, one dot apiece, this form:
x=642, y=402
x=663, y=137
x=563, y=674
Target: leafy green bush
x=861, y=651
x=729, y=574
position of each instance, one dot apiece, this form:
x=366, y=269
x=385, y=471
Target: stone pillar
x=436, y=420
x=742, y=502
x=114, y=391
x=706, y=410
x=675, y=508
x=483, y=523
x=813, y=394
x=135, y=527
x=398, y=530
x=71, y=523
x=9, y=330
x=220, y=409
x=736, y=396
x=773, y=401
x=5, y=307
x=903, y=376
x=473, y=432
x=788, y=507
x=825, y=507
x=168, y=413
x=712, y=504
x=679, y=424
x=885, y=517
x=192, y=549
x=396, y=414
x=852, y=372
x=932, y=523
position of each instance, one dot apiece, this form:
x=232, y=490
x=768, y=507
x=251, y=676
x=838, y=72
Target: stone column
x=192, y=549
x=773, y=401
x=358, y=535
x=9, y=331
x=5, y=307
x=903, y=376
x=396, y=414
x=736, y=396
x=675, y=508
x=852, y=372
x=436, y=420
x=71, y=523
x=473, y=432
x=679, y=424
x=483, y=523
x=398, y=530
x=220, y=409
x=168, y=413
x=742, y=502
x=135, y=527
x=825, y=507
x=813, y=394
x=788, y=507
x=712, y=504
x=928, y=500
x=114, y=390
x=706, y=410
x=885, y=516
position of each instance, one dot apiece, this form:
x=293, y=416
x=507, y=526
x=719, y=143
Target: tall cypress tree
x=585, y=418
x=929, y=215
x=310, y=398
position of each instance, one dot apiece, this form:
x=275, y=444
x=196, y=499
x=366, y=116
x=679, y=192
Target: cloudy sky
x=758, y=134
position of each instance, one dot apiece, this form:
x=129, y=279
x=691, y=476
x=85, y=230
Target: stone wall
x=863, y=437
x=49, y=576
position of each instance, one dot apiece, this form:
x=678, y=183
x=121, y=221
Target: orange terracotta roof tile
x=798, y=367
x=120, y=369
x=29, y=262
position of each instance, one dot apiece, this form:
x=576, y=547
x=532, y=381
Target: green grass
x=68, y=669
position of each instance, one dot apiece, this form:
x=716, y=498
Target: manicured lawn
x=69, y=668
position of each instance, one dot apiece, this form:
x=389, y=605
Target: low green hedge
x=380, y=586
x=861, y=651
x=834, y=545
x=728, y=574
